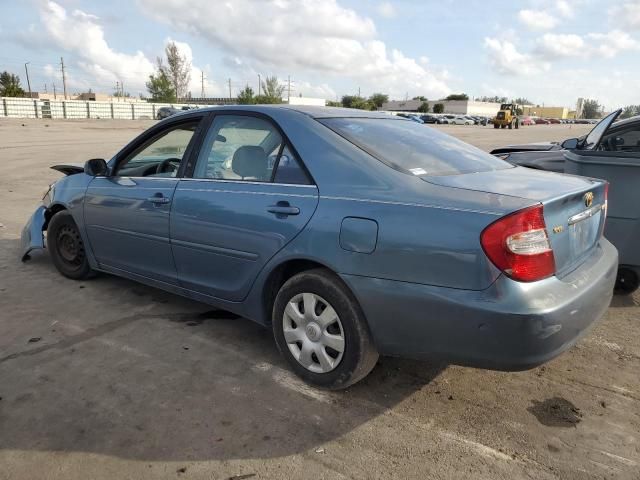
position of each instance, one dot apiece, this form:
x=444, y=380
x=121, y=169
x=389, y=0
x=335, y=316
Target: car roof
x=312, y=111
x=625, y=121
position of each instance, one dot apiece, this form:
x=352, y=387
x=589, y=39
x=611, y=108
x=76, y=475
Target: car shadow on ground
x=112, y=367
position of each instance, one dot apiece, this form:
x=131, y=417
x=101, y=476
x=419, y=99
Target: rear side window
x=414, y=148
x=289, y=170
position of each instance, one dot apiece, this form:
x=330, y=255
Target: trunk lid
x=573, y=206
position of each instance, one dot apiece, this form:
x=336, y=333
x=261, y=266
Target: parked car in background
x=611, y=150
x=254, y=209
x=164, y=112
x=527, y=121
x=429, y=119
x=410, y=116
x=554, y=121
x=460, y=120
x=541, y=121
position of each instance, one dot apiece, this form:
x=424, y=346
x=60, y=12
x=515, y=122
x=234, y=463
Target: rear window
x=414, y=148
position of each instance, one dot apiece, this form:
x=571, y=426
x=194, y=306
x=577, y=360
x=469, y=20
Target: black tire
x=495, y=125
x=67, y=248
x=627, y=281
x=510, y=125
x=359, y=355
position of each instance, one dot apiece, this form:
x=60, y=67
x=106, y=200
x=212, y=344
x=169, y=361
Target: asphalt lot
x=111, y=379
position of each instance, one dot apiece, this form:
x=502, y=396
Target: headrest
x=250, y=161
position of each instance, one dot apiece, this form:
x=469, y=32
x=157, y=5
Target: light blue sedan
x=352, y=234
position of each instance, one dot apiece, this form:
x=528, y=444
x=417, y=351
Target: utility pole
x=202, y=83
x=259, y=84
x=288, y=88
x=27, y=72
x=118, y=90
x=64, y=79
x=45, y=88
x=358, y=91
x=230, y=89
x=122, y=90
x=54, y=91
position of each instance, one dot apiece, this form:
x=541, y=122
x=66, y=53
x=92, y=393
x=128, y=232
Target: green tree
x=272, y=89
x=331, y=103
x=354, y=101
x=177, y=69
x=438, y=108
x=630, y=111
x=424, y=107
x=591, y=109
x=494, y=99
x=421, y=98
x=522, y=101
x=458, y=96
x=10, y=85
x=378, y=99
x=160, y=88
x=245, y=97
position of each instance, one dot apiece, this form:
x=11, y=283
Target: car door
x=127, y=212
x=247, y=196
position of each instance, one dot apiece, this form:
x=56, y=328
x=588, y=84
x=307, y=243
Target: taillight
x=519, y=246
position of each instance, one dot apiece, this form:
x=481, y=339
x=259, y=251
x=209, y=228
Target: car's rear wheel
x=321, y=331
x=627, y=281
x=67, y=248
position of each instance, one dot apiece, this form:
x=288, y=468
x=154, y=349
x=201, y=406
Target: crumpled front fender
x=32, y=236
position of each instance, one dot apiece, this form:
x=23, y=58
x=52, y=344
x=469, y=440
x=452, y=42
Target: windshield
x=595, y=135
x=413, y=148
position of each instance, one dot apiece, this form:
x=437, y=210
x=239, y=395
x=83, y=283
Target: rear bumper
x=509, y=326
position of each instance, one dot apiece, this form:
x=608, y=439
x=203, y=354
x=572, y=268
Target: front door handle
x=159, y=199
x=283, y=209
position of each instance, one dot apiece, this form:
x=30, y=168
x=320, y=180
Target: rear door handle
x=159, y=199
x=283, y=209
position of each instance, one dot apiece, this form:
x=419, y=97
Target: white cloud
x=553, y=45
x=386, y=10
x=81, y=34
x=537, y=19
x=302, y=38
x=506, y=59
x=626, y=16
x=609, y=44
x=564, y=8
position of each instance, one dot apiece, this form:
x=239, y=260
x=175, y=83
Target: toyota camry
x=351, y=234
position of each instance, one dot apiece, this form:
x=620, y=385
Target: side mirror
x=96, y=167
x=570, y=144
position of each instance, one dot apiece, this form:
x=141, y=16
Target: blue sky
x=550, y=51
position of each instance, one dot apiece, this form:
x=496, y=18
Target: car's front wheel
x=321, y=331
x=67, y=248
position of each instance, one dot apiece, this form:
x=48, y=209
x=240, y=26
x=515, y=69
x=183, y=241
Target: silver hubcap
x=313, y=332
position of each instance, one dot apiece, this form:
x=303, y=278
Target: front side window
x=239, y=147
x=413, y=148
x=622, y=141
x=161, y=156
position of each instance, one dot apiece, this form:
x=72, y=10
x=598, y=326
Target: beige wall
x=546, y=112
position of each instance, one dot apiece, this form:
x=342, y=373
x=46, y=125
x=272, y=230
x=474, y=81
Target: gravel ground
x=111, y=379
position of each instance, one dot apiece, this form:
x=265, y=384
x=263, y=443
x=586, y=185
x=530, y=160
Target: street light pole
x=26, y=70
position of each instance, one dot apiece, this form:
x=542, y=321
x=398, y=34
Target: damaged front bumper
x=32, y=234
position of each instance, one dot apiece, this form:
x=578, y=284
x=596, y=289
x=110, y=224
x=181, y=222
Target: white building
x=457, y=107
x=318, y=102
